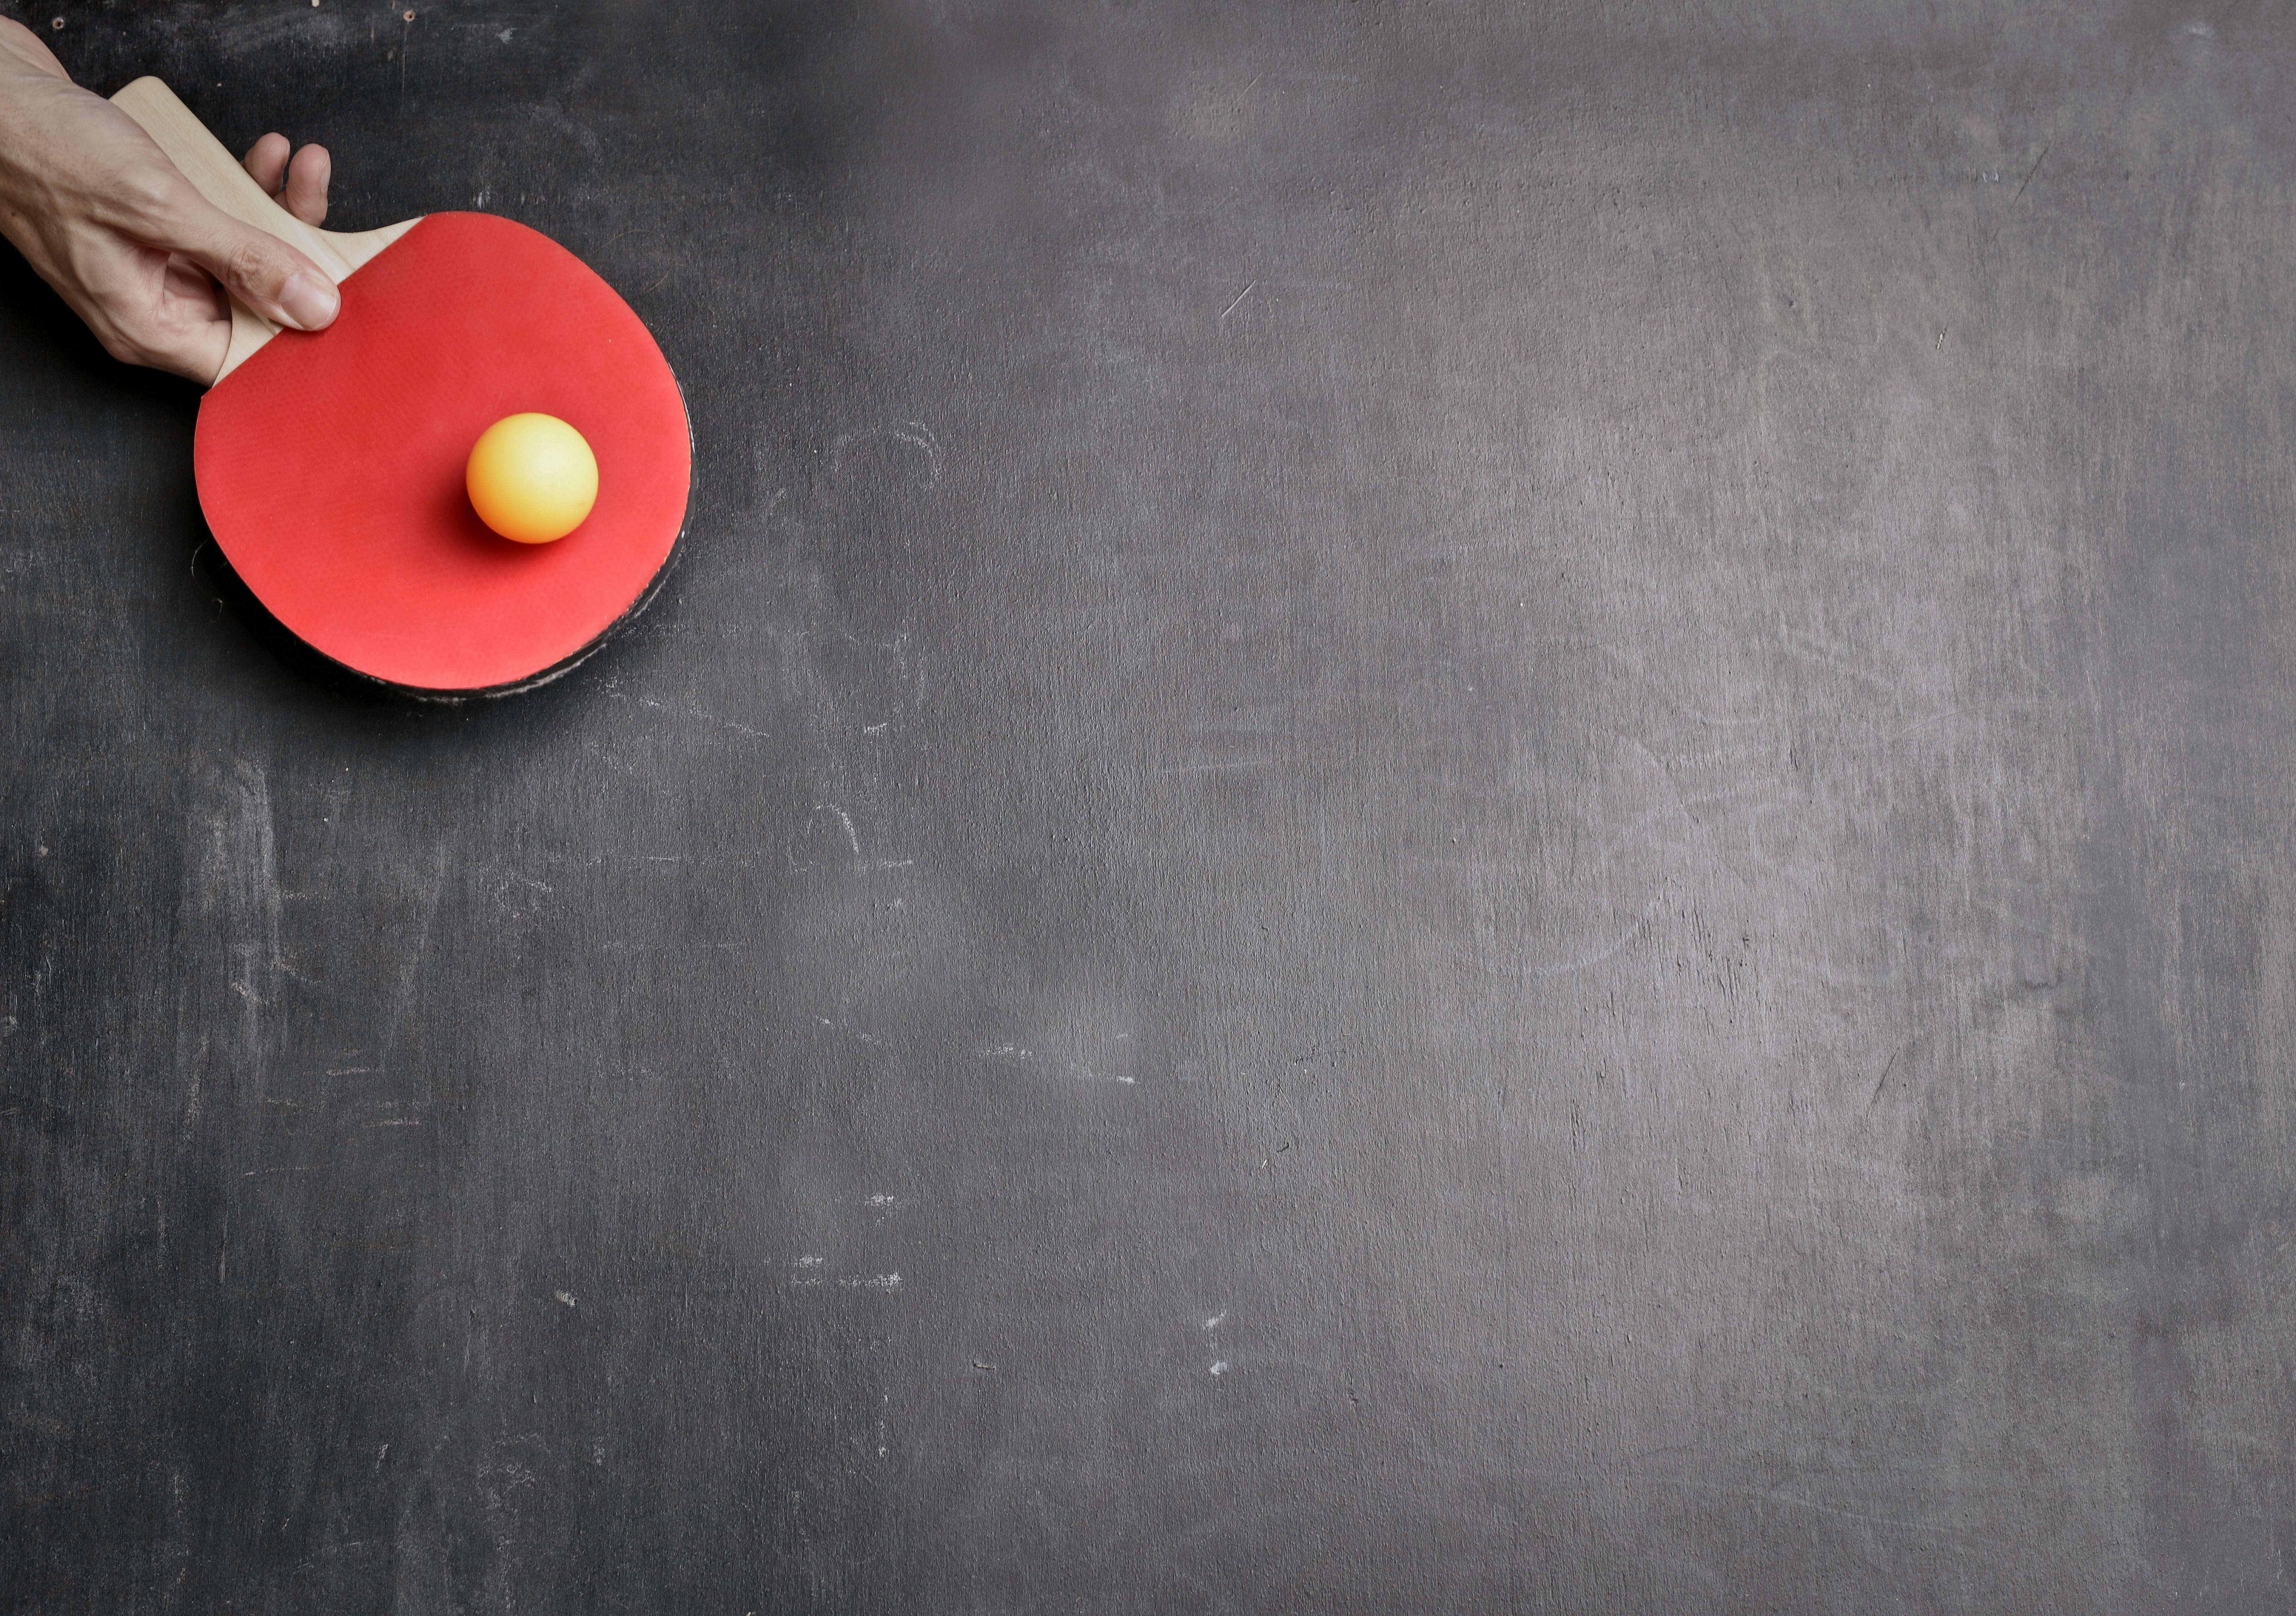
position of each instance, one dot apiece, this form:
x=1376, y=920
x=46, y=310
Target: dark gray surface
x=1508, y=788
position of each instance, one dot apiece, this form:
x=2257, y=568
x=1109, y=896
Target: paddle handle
x=217, y=175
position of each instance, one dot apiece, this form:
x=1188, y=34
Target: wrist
x=22, y=51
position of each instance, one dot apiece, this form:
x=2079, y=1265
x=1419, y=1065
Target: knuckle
x=130, y=350
x=148, y=194
x=251, y=264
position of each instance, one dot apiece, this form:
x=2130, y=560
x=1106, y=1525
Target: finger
x=192, y=288
x=195, y=354
x=155, y=309
x=198, y=317
x=267, y=161
x=305, y=192
x=257, y=268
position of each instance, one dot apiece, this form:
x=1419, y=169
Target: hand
x=104, y=218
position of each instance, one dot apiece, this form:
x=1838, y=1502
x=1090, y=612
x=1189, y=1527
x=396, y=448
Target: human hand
x=106, y=219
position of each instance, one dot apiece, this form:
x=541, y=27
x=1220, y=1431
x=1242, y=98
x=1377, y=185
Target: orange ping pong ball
x=531, y=478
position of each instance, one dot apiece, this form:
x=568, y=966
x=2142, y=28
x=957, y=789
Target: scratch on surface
x=1673, y=803
x=1792, y=1502
x=404, y=996
x=1240, y=297
x=1464, y=861
x=1587, y=961
x=528, y=902
x=1209, y=768
x=255, y=789
x=231, y=886
x=692, y=711
x=1903, y=730
x=1711, y=721
x=1888, y=1067
x=1824, y=975
x=1719, y=758
x=852, y=839
x=1013, y=1055
x=854, y=1033
x=1823, y=656
x=2036, y=169
x=586, y=136
x=917, y=434
x=1762, y=790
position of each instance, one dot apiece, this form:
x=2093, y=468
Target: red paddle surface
x=331, y=463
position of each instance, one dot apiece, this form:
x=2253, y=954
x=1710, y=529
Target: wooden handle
x=217, y=176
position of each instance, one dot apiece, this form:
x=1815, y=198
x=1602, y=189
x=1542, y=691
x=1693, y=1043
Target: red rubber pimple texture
x=330, y=464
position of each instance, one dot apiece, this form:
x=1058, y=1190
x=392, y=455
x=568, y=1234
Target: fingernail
x=309, y=300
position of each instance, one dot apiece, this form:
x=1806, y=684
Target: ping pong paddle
x=330, y=464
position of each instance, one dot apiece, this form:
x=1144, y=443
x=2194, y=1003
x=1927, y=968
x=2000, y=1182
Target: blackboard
x=1466, y=807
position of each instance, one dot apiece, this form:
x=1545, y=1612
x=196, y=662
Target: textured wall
x=1469, y=808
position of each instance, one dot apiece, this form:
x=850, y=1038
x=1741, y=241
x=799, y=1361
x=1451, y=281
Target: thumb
x=259, y=270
